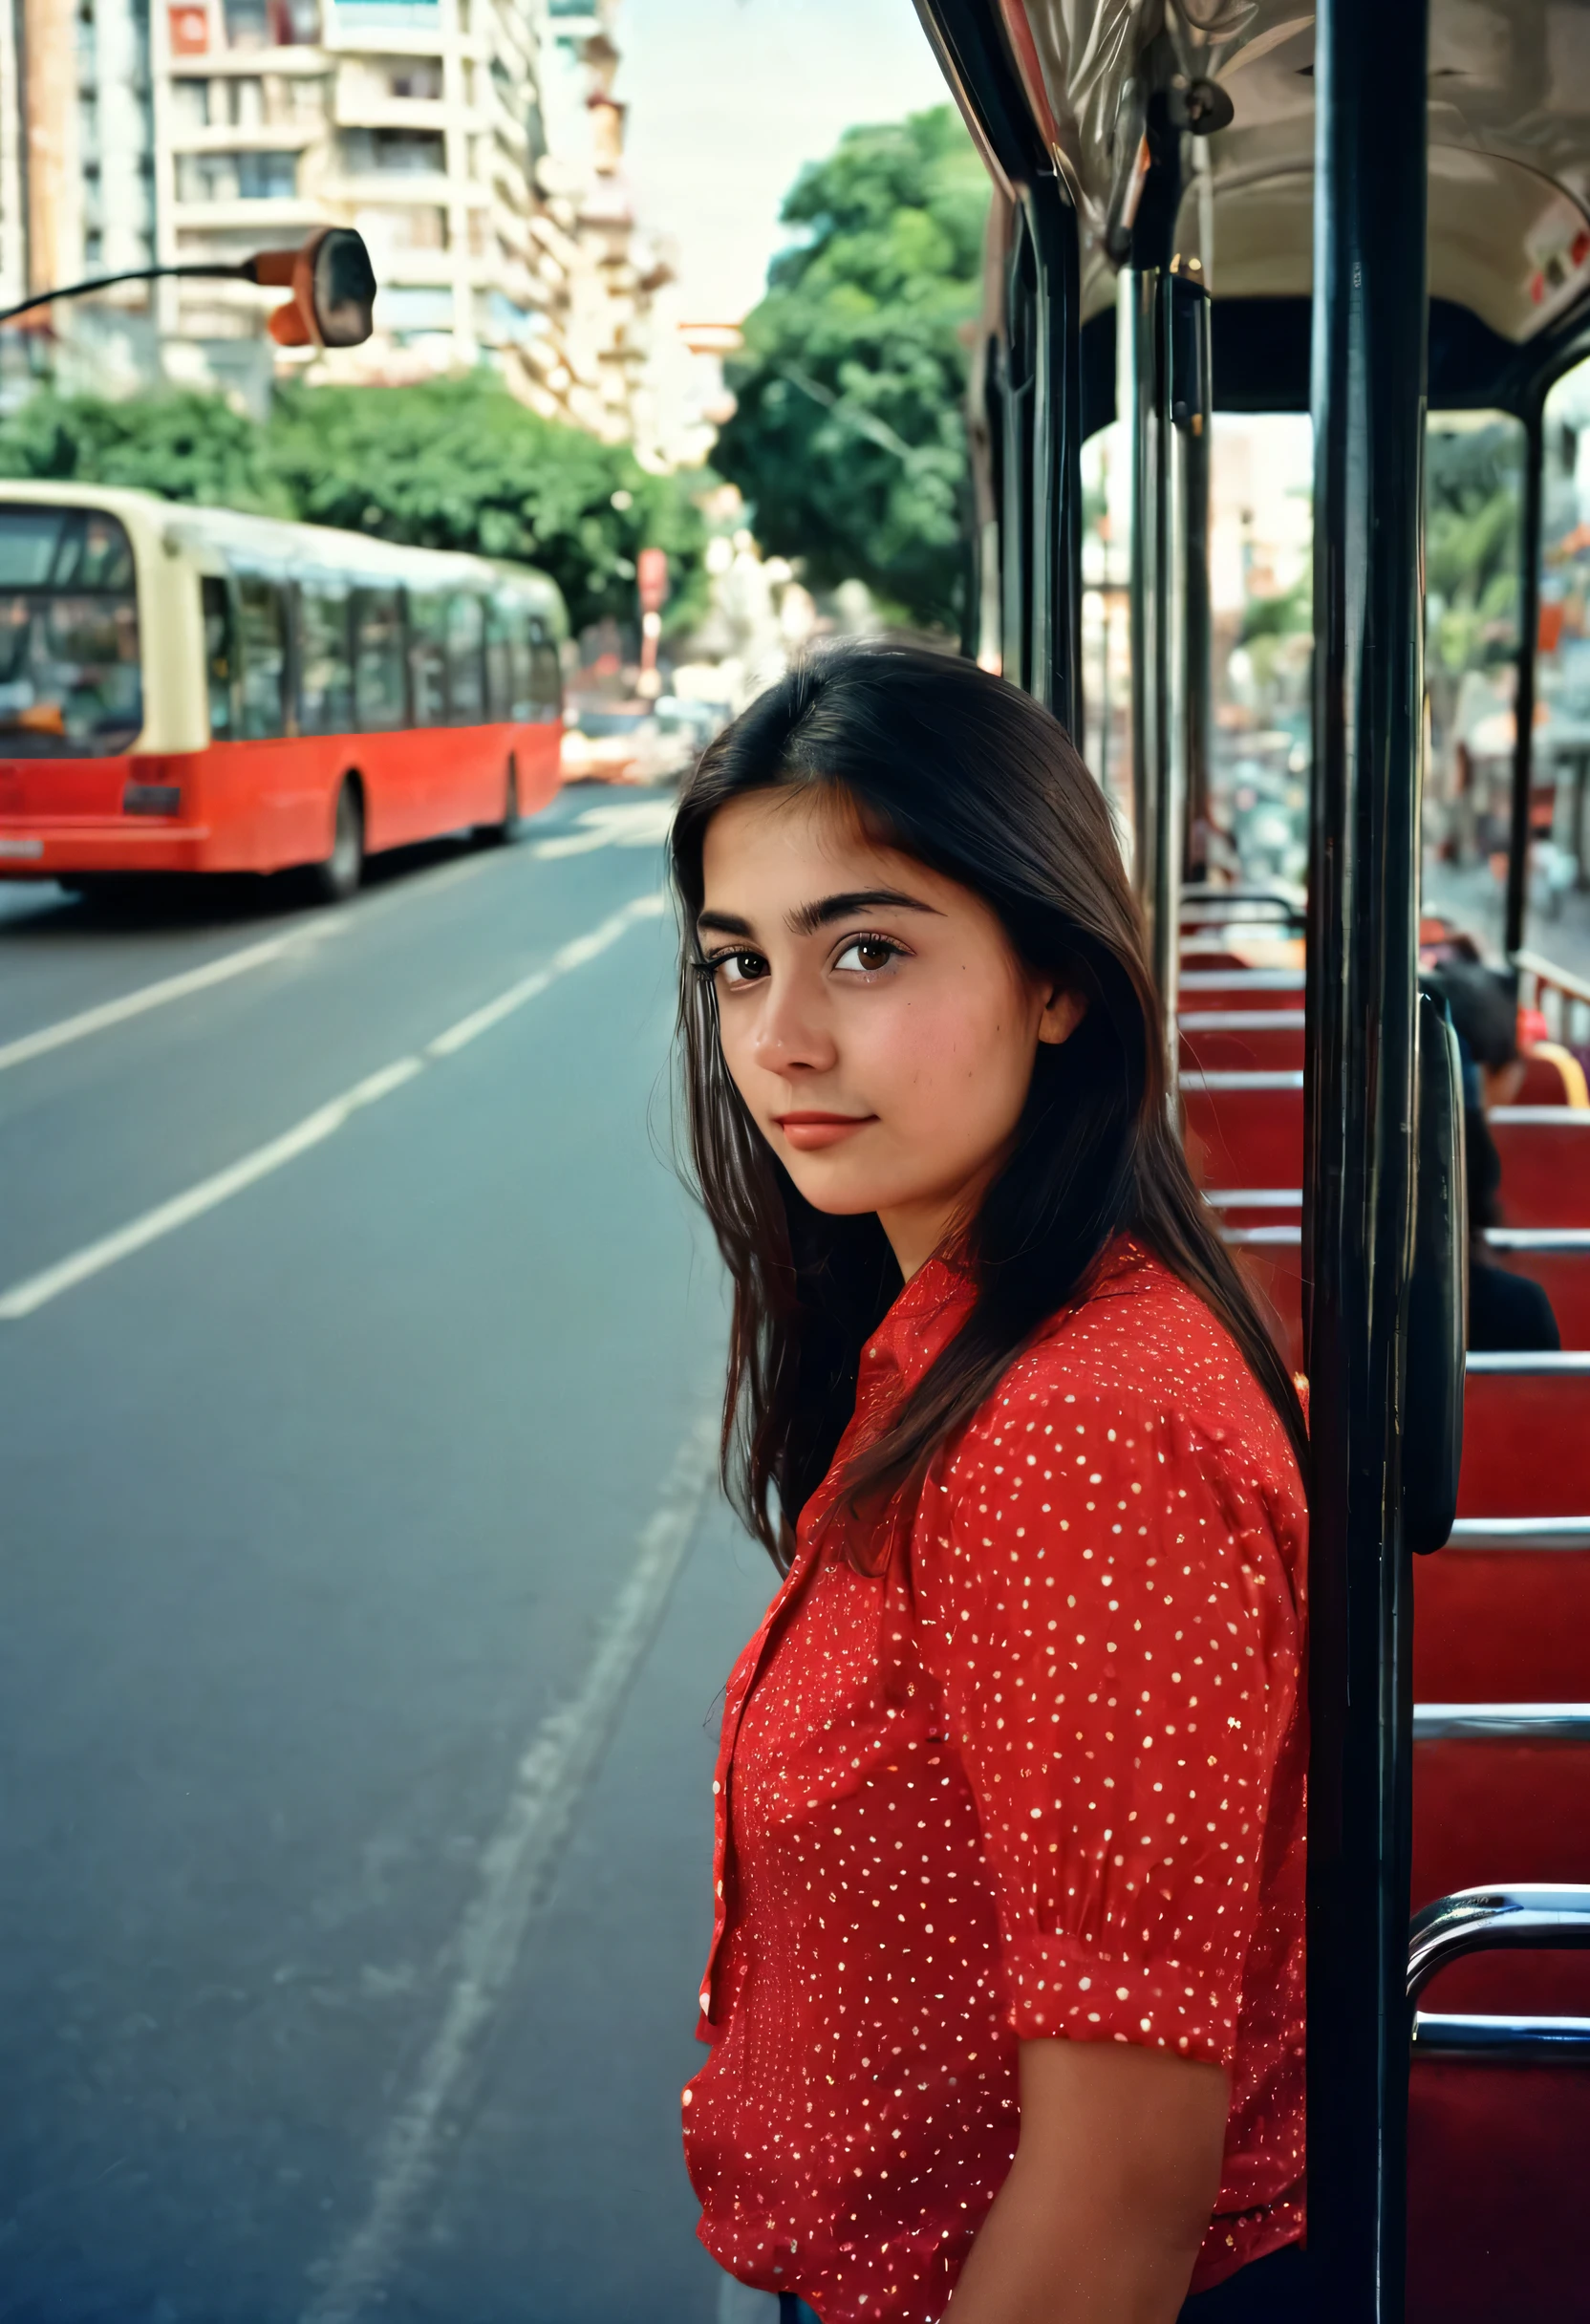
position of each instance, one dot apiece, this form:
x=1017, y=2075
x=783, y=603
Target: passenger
x=1006, y=1991
x=1506, y=1311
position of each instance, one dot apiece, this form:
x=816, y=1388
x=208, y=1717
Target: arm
x=1116, y=2173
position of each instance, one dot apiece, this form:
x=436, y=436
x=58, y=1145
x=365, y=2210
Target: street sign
x=651, y=575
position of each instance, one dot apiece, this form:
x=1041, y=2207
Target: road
x=364, y=1599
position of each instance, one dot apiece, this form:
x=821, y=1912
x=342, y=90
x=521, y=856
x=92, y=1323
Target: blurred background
x=366, y=1596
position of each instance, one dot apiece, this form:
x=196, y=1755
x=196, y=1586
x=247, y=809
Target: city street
x=364, y=1602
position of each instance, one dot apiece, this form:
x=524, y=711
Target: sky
x=728, y=98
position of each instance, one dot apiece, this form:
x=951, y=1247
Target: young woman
x=1005, y=1995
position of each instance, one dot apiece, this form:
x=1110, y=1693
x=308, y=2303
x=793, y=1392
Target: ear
x=1062, y=1012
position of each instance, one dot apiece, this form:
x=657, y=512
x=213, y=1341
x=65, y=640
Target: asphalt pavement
x=364, y=1599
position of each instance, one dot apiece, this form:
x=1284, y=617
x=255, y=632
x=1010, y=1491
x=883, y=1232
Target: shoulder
x=1140, y=1373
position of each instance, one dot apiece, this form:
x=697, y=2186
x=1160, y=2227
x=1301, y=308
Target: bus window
x=1473, y=520
x=467, y=660
x=428, y=658
x=220, y=655
x=545, y=674
x=502, y=618
x=71, y=684
x=380, y=696
x=262, y=638
x=325, y=665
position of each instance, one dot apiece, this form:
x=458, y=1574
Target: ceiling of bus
x=1508, y=127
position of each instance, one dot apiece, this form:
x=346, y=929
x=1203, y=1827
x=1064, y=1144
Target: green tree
x=849, y=440
x=1474, y=496
x=457, y=463
x=183, y=445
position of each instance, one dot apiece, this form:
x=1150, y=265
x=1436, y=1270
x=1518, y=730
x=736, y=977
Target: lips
x=808, y=1131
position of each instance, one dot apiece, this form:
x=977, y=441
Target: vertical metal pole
x=1369, y=350
x=1056, y=636
x=1016, y=592
x=1198, y=619
x=1145, y=320
x=1529, y=639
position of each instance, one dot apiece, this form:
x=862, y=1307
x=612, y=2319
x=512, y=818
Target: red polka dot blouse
x=1044, y=1776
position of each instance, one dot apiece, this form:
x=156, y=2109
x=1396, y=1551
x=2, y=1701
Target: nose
x=792, y=1034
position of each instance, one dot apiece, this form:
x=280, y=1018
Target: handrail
x=1530, y=1364
x=1502, y=2041
x=1240, y=981
x=1544, y=1239
x=1536, y=1915
x=1254, y=1197
x=1538, y=977
x=1541, y=1117
x=1220, y=1078
x=1265, y=1239
x=1501, y=1723
x=1241, y=1020
x=1521, y=1533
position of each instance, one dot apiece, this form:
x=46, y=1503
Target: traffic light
x=333, y=288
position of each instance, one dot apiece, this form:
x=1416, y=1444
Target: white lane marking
x=36, y=1291
x=518, y=1867
x=629, y=823
x=249, y=956
x=146, y=997
x=573, y=955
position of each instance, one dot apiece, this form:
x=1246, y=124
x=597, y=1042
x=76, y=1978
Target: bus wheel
x=335, y=880
x=499, y=834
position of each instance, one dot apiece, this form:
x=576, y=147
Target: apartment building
x=473, y=144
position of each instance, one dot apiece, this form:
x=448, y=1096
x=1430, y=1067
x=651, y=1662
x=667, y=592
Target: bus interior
x=1368, y=232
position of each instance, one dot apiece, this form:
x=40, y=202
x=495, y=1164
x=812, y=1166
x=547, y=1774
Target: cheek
x=959, y=1047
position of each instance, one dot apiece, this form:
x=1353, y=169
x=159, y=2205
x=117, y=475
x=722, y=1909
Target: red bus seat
x=1249, y=988
x=1270, y=1254
x=1553, y=1076
x=1558, y=1260
x=1245, y=1129
x=1503, y=1784
x=1526, y=1437
x=1241, y=1039
x=1498, y=2157
x=1498, y=2119
x=1545, y=1159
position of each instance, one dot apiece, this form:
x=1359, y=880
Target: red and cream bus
x=195, y=690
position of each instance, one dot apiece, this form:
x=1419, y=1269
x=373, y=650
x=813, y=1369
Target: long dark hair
x=971, y=777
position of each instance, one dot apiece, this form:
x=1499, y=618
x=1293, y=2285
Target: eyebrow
x=808, y=919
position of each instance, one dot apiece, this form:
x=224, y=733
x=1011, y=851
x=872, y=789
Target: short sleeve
x=1105, y=1611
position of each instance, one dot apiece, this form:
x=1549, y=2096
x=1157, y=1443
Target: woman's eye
x=867, y=955
x=740, y=967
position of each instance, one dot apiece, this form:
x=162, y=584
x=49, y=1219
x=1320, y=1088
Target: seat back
x=1203, y=986
x=1241, y=1039
x=1558, y=1260
x=1270, y=1253
x=1553, y=1076
x=1545, y=1159
x=1526, y=1437
x=1245, y=1129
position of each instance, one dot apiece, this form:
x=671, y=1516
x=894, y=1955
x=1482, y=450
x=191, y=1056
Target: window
x=505, y=629
x=220, y=655
x=381, y=696
x=236, y=177
x=546, y=674
x=428, y=658
x=393, y=153
x=262, y=640
x=190, y=104
x=466, y=662
x=71, y=684
x=325, y=661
